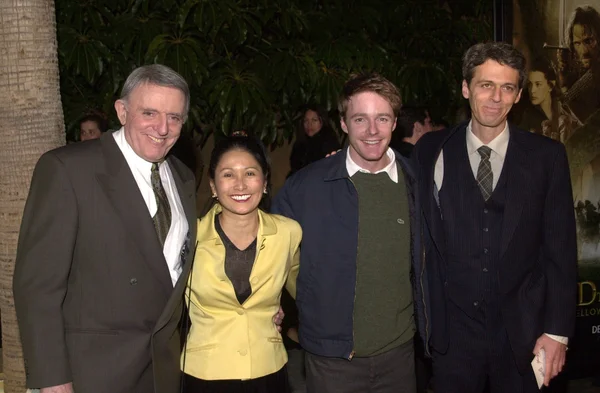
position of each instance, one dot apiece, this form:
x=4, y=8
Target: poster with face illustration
x=561, y=41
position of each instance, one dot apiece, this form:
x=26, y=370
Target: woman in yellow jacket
x=243, y=259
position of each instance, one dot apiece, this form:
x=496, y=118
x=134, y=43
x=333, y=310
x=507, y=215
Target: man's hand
x=278, y=318
x=333, y=153
x=555, y=356
x=66, y=388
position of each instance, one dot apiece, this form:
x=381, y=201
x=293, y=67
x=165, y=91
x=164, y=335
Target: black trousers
x=389, y=372
x=479, y=354
x=272, y=383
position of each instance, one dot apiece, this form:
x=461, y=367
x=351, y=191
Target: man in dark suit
x=104, y=250
x=500, y=237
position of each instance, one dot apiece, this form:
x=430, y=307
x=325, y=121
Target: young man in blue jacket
x=360, y=257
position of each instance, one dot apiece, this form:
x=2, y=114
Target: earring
x=265, y=191
x=214, y=195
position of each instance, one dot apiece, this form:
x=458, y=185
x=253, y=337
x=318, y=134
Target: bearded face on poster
x=579, y=63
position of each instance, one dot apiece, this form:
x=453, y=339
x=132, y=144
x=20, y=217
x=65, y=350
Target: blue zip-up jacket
x=323, y=199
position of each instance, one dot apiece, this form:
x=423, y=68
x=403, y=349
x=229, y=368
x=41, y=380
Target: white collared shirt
x=499, y=145
x=390, y=169
x=141, y=170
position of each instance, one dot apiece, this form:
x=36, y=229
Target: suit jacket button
x=240, y=311
x=243, y=352
x=254, y=280
x=133, y=281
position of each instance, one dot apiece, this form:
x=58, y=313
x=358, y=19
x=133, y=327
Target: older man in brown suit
x=104, y=250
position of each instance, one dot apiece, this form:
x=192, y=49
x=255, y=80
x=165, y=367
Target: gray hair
x=160, y=75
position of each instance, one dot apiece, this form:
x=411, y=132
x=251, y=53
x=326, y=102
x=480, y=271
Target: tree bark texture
x=31, y=122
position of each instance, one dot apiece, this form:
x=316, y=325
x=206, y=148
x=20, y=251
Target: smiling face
x=239, y=182
x=539, y=88
x=369, y=123
x=152, y=117
x=492, y=92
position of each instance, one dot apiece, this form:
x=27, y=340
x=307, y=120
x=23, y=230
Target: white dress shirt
x=499, y=145
x=390, y=168
x=141, y=170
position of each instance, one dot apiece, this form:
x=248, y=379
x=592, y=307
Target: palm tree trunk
x=31, y=122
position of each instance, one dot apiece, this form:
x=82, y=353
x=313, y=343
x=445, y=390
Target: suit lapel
x=431, y=204
x=432, y=213
x=123, y=192
x=515, y=165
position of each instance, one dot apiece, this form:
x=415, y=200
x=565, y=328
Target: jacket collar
x=516, y=136
x=207, y=231
x=337, y=170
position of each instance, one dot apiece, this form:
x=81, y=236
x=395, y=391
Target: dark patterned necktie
x=485, y=176
x=162, y=218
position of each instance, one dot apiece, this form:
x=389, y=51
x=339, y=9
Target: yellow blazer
x=228, y=340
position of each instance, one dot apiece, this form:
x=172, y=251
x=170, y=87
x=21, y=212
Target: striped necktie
x=162, y=218
x=485, y=176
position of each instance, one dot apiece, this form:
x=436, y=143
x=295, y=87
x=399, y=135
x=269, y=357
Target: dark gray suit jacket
x=93, y=293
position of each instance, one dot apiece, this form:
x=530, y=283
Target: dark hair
x=96, y=118
x=251, y=145
x=407, y=118
x=543, y=66
x=369, y=82
x=500, y=52
x=587, y=17
x=323, y=116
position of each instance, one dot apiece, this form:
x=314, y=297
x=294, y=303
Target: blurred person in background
x=413, y=122
x=91, y=126
x=314, y=139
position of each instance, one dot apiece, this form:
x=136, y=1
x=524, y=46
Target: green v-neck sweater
x=383, y=302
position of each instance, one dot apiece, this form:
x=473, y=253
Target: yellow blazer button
x=240, y=311
x=254, y=280
x=243, y=352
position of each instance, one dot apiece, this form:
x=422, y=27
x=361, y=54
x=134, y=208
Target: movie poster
x=561, y=41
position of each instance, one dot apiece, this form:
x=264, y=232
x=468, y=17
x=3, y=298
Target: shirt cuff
x=560, y=339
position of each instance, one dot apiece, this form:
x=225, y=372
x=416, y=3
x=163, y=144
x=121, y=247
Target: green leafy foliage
x=253, y=63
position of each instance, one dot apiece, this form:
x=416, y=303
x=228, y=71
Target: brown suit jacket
x=93, y=294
